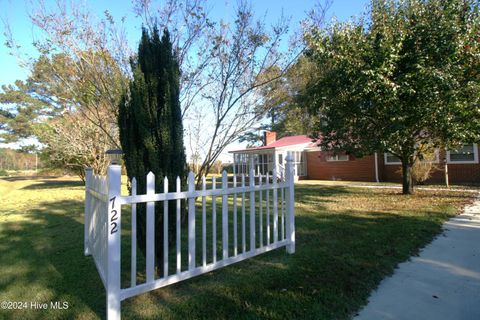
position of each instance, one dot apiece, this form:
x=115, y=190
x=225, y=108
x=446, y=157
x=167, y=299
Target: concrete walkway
x=442, y=283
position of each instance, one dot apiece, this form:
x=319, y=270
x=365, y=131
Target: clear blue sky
x=16, y=12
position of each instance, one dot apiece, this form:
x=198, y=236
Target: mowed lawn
x=348, y=239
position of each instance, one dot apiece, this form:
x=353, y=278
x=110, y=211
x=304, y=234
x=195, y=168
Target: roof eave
x=250, y=150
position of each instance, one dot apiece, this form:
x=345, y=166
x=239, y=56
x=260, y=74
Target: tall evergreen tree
x=151, y=130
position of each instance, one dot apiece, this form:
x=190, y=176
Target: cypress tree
x=151, y=130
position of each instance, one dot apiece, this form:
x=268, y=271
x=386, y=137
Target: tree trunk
x=407, y=181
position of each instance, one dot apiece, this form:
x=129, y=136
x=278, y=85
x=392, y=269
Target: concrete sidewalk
x=443, y=282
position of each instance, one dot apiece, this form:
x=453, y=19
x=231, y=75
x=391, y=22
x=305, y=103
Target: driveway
x=443, y=282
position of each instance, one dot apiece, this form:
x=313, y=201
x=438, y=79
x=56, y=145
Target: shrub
x=423, y=169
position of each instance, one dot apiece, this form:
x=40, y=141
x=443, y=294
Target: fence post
x=86, y=215
x=113, y=242
x=290, y=204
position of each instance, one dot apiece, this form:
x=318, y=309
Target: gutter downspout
x=376, y=167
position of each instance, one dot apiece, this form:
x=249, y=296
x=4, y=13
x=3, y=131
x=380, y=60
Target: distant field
x=348, y=239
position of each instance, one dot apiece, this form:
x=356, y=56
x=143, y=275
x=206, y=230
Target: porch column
x=251, y=162
x=234, y=164
x=274, y=161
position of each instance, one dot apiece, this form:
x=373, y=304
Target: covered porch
x=265, y=160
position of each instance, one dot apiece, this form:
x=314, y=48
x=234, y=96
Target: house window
x=338, y=157
x=241, y=163
x=280, y=158
x=264, y=164
x=299, y=163
x=468, y=153
x=391, y=159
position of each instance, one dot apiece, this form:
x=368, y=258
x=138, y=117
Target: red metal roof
x=283, y=142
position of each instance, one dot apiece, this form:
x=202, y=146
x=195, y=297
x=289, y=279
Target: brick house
x=313, y=163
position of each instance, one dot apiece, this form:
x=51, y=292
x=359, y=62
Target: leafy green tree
x=151, y=130
x=41, y=96
x=61, y=107
x=75, y=82
x=403, y=79
x=5, y=117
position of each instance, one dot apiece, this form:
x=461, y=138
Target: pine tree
x=151, y=130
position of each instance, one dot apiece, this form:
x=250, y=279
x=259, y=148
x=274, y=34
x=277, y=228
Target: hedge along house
x=313, y=163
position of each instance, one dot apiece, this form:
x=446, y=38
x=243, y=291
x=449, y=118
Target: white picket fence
x=271, y=225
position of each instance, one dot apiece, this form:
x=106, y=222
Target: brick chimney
x=269, y=137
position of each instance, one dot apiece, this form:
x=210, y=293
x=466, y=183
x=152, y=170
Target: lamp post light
x=115, y=156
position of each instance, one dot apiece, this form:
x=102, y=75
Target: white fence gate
x=271, y=204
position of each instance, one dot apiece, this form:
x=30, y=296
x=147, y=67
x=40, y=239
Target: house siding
x=457, y=173
x=356, y=169
x=363, y=169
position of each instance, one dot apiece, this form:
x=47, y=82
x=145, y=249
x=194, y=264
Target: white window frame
x=385, y=159
x=475, y=156
x=436, y=160
x=335, y=158
x=264, y=160
x=297, y=162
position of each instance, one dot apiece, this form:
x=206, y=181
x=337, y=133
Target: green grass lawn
x=348, y=239
x=466, y=186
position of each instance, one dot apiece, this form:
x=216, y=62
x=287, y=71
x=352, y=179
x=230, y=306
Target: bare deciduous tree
x=71, y=142
x=223, y=67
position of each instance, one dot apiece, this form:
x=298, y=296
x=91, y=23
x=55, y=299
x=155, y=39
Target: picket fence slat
x=251, y=181
x=103, y=204
x=133, y=274
x=165, y=229
x=150, y=229
x=244, y=245
x=214, y=221
x=268, y=209
x=178, y=229
x=191, y=223
x=86, y=212
x=275, y=207
x=235, y=222
x=260, y=211
x=225, y=216
x=282, y=211
x=204, y=224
